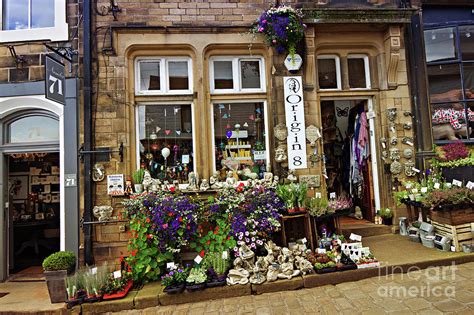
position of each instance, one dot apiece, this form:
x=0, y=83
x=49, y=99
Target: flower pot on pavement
x=56, y=282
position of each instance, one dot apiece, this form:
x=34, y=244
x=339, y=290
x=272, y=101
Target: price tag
x=370, y=114
x=224, y=255
x=437, y=185
x=424, y=190
x=415, y=170
x=470, y=185
x=414, y=190
x=185, y=159
x=339, y=242
x=457, y=183
x=117, y=274
x=170, y=266
x=198, y=259
x=94, y=270
x=408, y=186
x=384, y=145
x=332, y=195
x=448, y=185
x=355, y=237
x=321, y=250
x=317, y=195
x=392, y=129
x=325, y=176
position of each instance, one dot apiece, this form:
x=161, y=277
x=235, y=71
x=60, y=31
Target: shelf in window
x=240, y=146
x=242, y=158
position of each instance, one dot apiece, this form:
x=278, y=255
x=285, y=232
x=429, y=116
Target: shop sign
x=259, y=155
x=115, y=186
x=293, y=63
x=55, y=79
x=294, y=112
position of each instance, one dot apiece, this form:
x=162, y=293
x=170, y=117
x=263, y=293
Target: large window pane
x=178, y=75
x=250, y=74
x=15, y=14
x=34, y=129
x=42, y=13
x=449, y=121
x=150, y=75
x=327, y=74
x=469, y=80
x=445, y=83
x=223, y=76
x=243, y=147
x=166, y=126
x=357, y=73
x=440, y=44
x=466, y=39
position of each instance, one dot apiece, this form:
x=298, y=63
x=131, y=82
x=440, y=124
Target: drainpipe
x=87, y=69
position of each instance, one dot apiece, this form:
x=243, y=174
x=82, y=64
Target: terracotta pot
x=56, y=282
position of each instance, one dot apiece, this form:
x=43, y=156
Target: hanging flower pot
x=282, y=28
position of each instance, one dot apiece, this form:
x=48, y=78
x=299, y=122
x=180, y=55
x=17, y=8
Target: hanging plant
x=282, y=27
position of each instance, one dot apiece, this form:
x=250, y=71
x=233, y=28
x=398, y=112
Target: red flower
x=180, y=219
x=149, y=236
x=208, y=242
x=172, y=189
x=228, y=237
x=147, y=220
x=170, y=214
x=202, y=253
x=121, y=258
x=165, y=226
x=215, y=232
x=134, y=252
x=188, y=227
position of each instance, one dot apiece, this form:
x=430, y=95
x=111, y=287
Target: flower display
x=282, y=27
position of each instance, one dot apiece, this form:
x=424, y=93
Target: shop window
x=24, y=20
x=35, y=128
x=237, y=74
x=329, y=72
x=240, y=137
x=165, y=141
x=359, y=74
x=450, y=62
x=163, y=76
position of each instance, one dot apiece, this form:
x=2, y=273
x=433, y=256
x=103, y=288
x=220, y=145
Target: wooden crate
x=460, y=234
x=454, y=216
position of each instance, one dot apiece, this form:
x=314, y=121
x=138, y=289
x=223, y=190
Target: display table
x=413, y=209
x=307, y=228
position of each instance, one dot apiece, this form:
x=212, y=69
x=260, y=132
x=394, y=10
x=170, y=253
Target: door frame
x=372, y=139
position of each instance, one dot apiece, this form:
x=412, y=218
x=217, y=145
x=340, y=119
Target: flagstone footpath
x=437, y=290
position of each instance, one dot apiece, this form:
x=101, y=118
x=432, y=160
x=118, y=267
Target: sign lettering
x=55, y=81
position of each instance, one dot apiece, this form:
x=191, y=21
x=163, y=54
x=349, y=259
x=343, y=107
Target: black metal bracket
x=65, y=52
x=113, y=8
x=19, y=60
x=102, y=154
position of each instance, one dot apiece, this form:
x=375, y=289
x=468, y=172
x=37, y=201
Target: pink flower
x=260, y=29
x=274, y=41
x=165, y=226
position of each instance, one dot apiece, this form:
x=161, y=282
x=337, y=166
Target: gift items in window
x=166, y=141
x=239, y=138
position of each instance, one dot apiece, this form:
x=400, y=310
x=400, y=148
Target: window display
x=240, y=137
x=165, y=141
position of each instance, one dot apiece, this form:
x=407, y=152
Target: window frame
x=338, y=71
x=164, y=75
x=162, y=103
x=6, y=137
x=368, y=85
x=59, y=32
x=236, y=74
x=454, y=61
x=236, y=102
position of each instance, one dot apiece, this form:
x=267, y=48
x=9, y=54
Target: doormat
x=31, y=274
x=2, y=294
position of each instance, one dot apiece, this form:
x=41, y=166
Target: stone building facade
x=200, y=33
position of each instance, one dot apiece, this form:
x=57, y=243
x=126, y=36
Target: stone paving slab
x=279, y=285
x=110, y=306
x=148, y=295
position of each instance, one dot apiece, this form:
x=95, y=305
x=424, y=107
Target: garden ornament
x=393, y=140
x=303, y=265
x=383, y=142
x=291, y=176
x=230, y=180
x=259, y=270
x=312, y=135
x=391, y=113
x=98, y=173
x=204, y=185
x=407, y=140
x=395, y=168
x=192, y=181
x=395, y=154
x=407, y=126
x=280, y=154
x=103, y=213
x=407, y=153
x=286, y=265
x=238, y=275
x=273, y=271
x=281, y=132
x=384, y=154
x=214, y=181
x=408, y=168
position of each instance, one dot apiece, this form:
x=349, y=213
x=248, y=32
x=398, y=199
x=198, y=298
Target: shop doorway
x=348, y=146
x=33, y=212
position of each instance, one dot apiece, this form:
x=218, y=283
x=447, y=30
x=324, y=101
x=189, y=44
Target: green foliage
x=138, y=175
x=317, y=206
x=449, y=196
x=197, y=275
x=288, y=194
x=175, y=277
x=215, y=260
x=386, y=213
x=302, y=194
x=217, y=240
x=60, y=261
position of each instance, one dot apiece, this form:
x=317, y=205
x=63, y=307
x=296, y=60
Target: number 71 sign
x=55, y=79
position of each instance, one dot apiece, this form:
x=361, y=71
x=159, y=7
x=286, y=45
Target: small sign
x=115, y=186
x=117, y=274
x=470, y=185
x=185, y=159
x=321, y=250
x=437, y=185
x=457, y=183
x=304, y=240
x=70, y=180
x=170, y=266
x=448, y=185
x=332, y=195
x=198, y=259
x=370, y=115
x=317, y=194
x=414, y=190
x=339, y=242
x=259, y=155
x=424, y=190
x=355, y=237
x=415, y=169
x=55, y=80
x=225, y=255
x=94, y=270
x=293, y=63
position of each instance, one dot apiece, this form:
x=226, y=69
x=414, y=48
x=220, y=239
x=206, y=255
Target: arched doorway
x=30, y=148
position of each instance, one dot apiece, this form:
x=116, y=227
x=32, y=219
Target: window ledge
x=55, y=34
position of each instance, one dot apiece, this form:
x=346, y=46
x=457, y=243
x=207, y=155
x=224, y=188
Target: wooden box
x=453, y=216
x=460, y=234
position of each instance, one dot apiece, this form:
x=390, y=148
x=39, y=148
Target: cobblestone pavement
x=441, y=290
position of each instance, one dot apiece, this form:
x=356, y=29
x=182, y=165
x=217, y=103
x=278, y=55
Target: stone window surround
x=57, y=33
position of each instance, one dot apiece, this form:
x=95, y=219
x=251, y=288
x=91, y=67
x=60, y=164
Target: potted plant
x=287, y=193
x=137, y=177
x=175, y=281
x=56, y=267
x=324, y=263
x=74, y=289
x=317, y=207
x=387, y=216
x=197, y=279
x=117, y=287
x=301, y=195
x=218, y=264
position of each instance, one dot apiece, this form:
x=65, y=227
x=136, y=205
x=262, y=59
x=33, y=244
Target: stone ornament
x=103, y=213
x=391, y=113
x=407, y=140
x=150, y=183
x=395, y=168
x=395, y=154
x=292, y=176
x=259, y=270
x=312, y=135
x=214, y=181
x=230, y=180
x=281, y=132
x=285, y=260
x=314, y=158
x=393, y=140
x=192, y=181
x=280, y=154
x=312, y=181
x=383, y=142
x=98, y=172
x=204, y=185
x=408, y=168
x=303, y=265
x=407, y=153
x=384, y=154
x=243, y=266
x=407, y=126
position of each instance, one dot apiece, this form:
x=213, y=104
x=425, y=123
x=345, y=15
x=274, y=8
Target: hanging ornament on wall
x=228, y=134
x=395, y=168
x=153, y=136
x=312, y=135
x=409, y=168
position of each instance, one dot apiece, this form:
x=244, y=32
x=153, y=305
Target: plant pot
x=56, y=282
x=138, y=188
x=387, y=221
x=347, y=267
x=73, y=302
x=326, y=270
x=92, y=299
x=216, y=283
x=175, y=289
x=292, y=210
x=302, y=210
x=462, y=173
x=120, y=294
x=195, y=287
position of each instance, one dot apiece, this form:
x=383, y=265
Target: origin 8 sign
x=294, y=113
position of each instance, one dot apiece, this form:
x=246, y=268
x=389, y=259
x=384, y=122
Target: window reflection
x=440, y=44
x=27, y=14
x=445, y=83
x=327, y=74
x=33, y=129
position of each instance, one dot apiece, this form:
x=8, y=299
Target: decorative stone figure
x=214, y=181
x=238, y=275
x=281, y=132
x=230, y=180
x=391, y=113
x=394, y=154
x=273, y=271
x=393, y=140
x=192, y=181
x=147, y=180
x=286, y=265
x=395, y=168
x=312, y=135
x=103, y=213
x=407, y=153
x=408, y=168
x=259, y=270
x=280, y=154
x=303, y=265
x=204, y=185
x=275, y=182
x=291, y=176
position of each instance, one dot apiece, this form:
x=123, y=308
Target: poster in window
x=115, y=185
x=18, y=186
